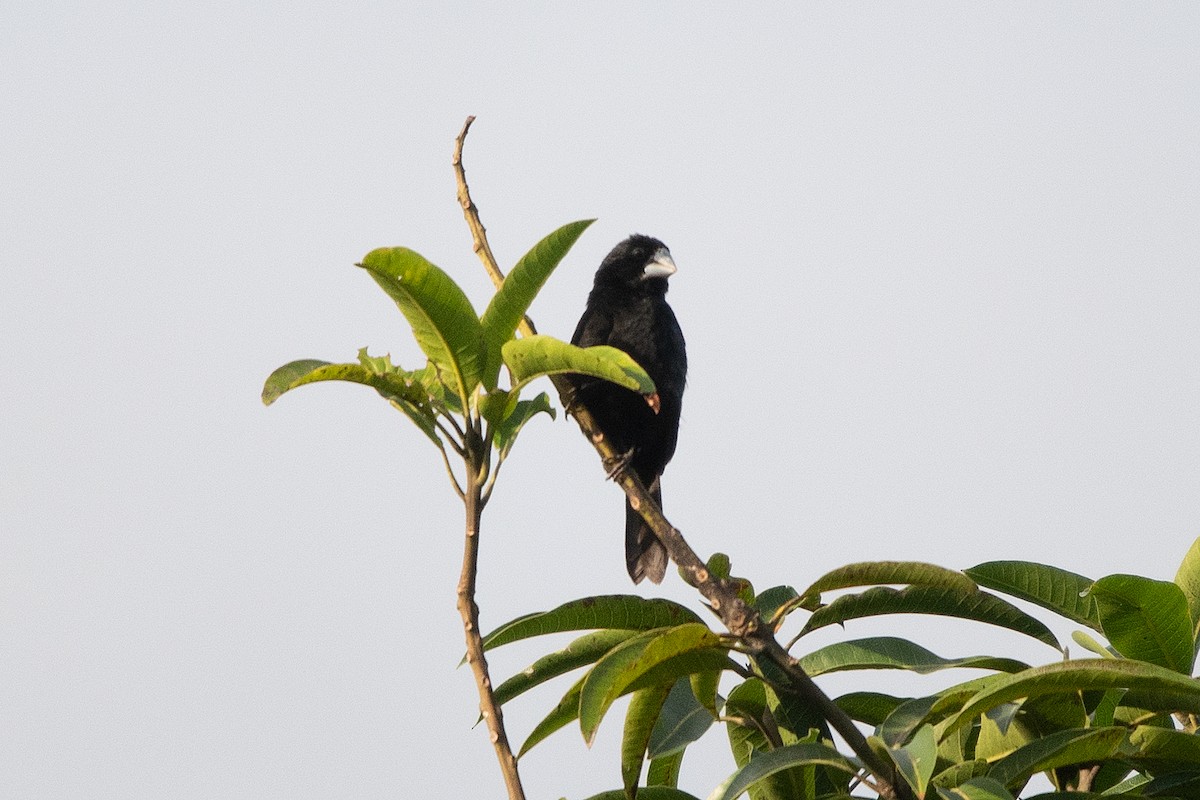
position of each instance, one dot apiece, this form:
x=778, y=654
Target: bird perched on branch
x=627, y=309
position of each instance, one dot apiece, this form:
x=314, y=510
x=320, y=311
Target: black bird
x=627, y=309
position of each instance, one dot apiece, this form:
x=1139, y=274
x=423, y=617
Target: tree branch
x=489, y=709
x=740, y=619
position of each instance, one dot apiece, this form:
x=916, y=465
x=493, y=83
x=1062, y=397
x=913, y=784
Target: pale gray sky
x=938, y=275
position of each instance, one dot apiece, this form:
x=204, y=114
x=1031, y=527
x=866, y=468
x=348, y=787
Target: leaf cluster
x=1123, y=724
x=455, y=399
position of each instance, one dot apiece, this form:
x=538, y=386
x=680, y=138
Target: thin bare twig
x=740, y=619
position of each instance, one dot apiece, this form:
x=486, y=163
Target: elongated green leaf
x=1001, y=732
x=401, y=388
x=1088, y=796
x=289, y=376
x=704, y=687
x=1088, y=643
x=1185, y=783
x=746, y=719
x=646, y=793
x=763, y=765
x=522, y=284
x=795, y=718
x=683, y=720
x=982, y=788
x=1164, y=750
x=644, y=709
x=621, y=668
x=435, y=380
x=441, y=317
x=625, y=611
x=1188, y=580
x=905, y=720
x=585, y=650
x=957, y=748
x=978, y=606
x=870, y=573
x=533, y=357
x=1049, y=587
x=1059, y=749
x=888, y=652
x=961, y=772
x=664, y=770
x=1146, y=620
x=769, y=601
x=917, y=759
x=869, y=707
x=559, y=717
x=510, y=427
x=298, y=373
x=1082, y=675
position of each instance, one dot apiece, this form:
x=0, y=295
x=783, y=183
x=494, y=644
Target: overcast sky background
x=937, y=273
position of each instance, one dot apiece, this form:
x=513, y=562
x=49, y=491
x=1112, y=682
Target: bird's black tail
x=645, y=556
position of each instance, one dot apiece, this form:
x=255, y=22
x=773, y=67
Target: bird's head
x=640, y=262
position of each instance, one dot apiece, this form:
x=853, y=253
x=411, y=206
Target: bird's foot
x=570, y=400
x=616, y=465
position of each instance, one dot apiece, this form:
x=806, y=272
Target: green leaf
x=585, y=650
x=442, y=319
x=769, y=601
x=1188, y=580
x=719, y=566
x=917, y=759
x=559, y=717
x=869, y=707
x=621, y=669
x=747, y=721
x=624, y=611
x=1060, y=749
x=441, y=395
x=664, y=770
x=682, y=721
x=392, y=383
x=961, y=772
x=905, y=720
x=887, y=652
x=289, y=376
x=978, y=606
x=640, y=720
x=525, y=410
x=1088, y=643
x=533, y=357
x=522, y=284
x=646, y=793
x=764, y=765
x=1164, y=750
x=1001, y=732
x=870, y=573
x=1146, y=620
x=401, y=388
x=704, y=688
x=1082, y=675
x=1185, y=783
x=796, y=719
x=982, y=788
x=1049, y=587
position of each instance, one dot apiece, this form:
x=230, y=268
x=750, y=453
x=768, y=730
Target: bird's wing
x=594, y=328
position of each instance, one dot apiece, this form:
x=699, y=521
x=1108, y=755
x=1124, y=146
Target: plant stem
x=469, y=611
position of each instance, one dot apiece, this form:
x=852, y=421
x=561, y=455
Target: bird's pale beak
x=661, y=266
